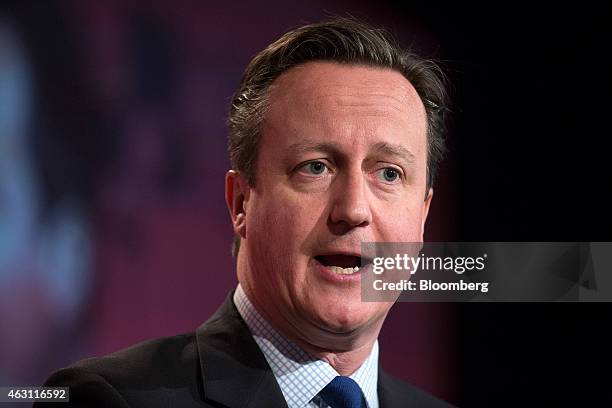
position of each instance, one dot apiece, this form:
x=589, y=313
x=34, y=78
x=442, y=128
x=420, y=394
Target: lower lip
x=332, y=276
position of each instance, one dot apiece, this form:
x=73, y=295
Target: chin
x=346, y=318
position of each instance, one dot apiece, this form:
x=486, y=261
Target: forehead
x=334, y=100
x=321, y=79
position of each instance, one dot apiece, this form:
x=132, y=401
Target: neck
x=345, y=352
x=344, y=362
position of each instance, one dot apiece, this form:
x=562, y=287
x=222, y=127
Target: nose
x=350, y=207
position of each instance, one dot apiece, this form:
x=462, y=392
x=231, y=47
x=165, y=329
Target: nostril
x=352, y=217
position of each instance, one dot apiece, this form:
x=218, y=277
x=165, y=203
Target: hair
x=340, y=40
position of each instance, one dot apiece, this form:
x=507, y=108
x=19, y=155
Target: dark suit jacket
x=219, y=365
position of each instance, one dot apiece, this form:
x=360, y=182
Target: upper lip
x=365, y=260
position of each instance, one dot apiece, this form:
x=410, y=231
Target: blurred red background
x=123, y=139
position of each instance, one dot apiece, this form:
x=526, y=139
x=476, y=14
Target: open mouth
x=342, y=264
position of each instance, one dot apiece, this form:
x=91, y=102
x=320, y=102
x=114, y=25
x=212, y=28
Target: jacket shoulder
x=153, y=361
x=394, y=392
x=154, y=371
x=86, y=389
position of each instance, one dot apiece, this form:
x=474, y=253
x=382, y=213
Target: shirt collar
x=300, y=375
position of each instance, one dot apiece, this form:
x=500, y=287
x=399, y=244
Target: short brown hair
x=341, y=40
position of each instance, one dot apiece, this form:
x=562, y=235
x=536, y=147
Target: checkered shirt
x=300, y=375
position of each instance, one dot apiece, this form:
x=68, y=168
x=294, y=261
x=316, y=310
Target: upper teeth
x=344, y=271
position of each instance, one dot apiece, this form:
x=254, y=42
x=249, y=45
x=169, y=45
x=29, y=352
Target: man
x=335, y=136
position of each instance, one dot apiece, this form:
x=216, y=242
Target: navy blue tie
x=343, y=392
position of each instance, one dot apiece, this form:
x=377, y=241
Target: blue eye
x=390, y=174
x=316, y=167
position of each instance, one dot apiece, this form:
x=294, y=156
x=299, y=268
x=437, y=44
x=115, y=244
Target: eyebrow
x=307, y=146
x=396, y=150
x=380, y=148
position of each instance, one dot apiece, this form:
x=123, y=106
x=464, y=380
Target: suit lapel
x=235, y=372
x=389, y=394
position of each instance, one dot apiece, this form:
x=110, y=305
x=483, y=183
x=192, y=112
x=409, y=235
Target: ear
x=237, y=192
x=425, y=210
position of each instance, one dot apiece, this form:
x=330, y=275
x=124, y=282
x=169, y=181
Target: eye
x=314, y=167
x=390, y=175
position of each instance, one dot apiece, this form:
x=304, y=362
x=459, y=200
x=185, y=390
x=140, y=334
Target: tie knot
x=343, y=392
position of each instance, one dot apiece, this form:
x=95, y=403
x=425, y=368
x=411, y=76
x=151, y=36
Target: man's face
x=342, y=160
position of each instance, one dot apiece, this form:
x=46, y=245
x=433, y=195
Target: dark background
x=132, y=98
x=531, y=134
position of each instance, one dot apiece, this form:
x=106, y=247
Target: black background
x=530, y=147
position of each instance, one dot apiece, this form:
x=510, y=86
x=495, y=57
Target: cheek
x=287, y=220
x=401, y=224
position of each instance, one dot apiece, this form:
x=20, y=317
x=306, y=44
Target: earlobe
x=426, y=205
x=236, y=199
